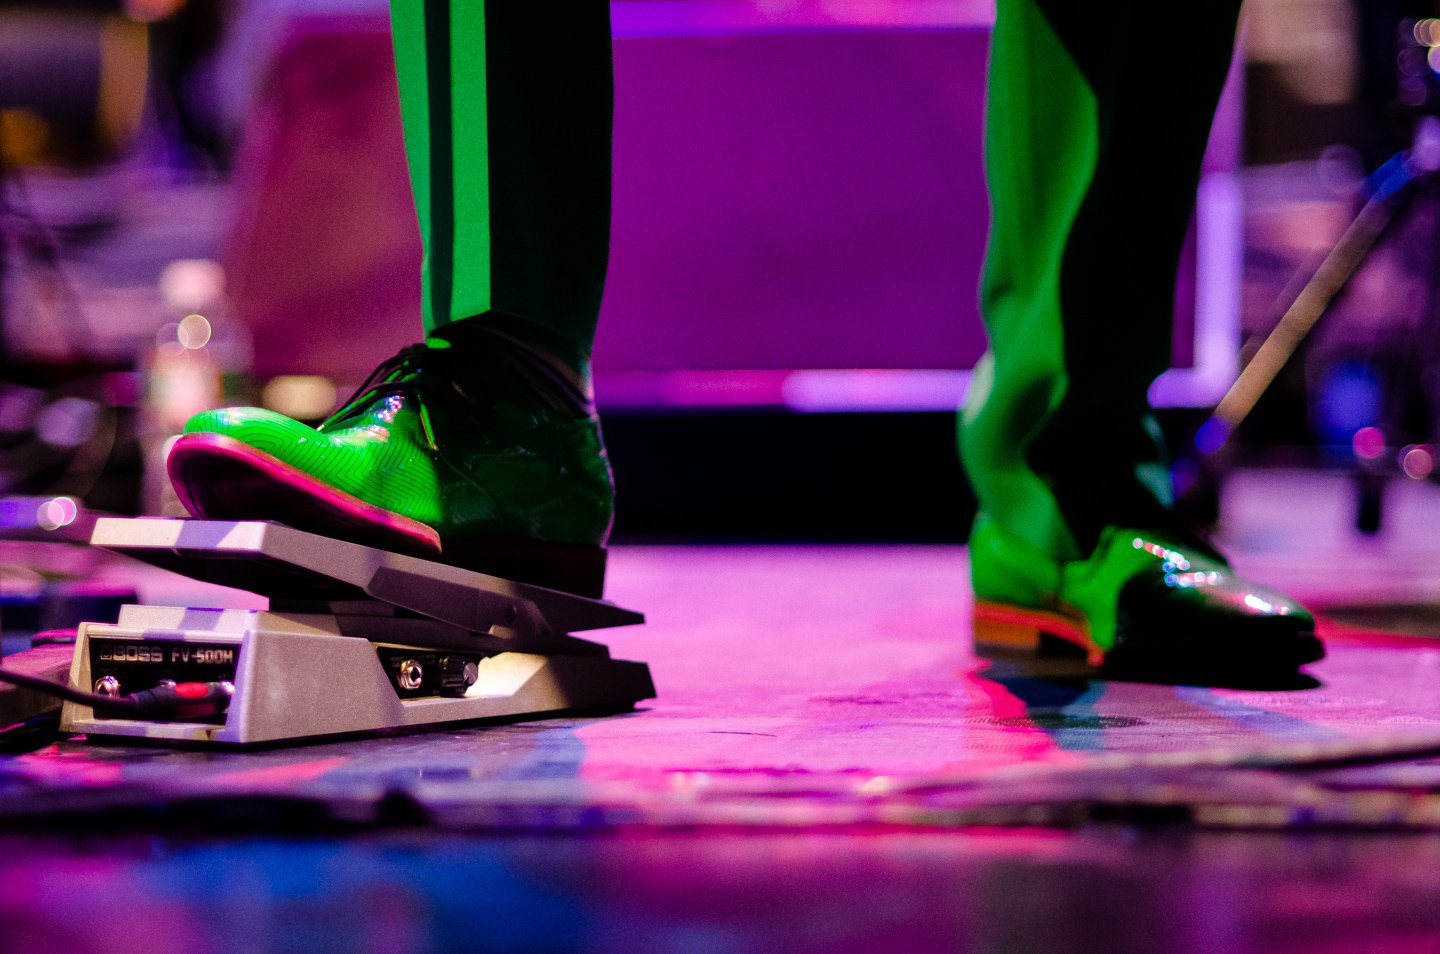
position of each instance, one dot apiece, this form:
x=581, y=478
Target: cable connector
x=181, y=701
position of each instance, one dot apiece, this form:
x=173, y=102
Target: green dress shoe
x=485, y=458
x=1144, y=601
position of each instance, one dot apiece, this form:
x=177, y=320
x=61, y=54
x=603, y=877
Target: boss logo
x=132, y=654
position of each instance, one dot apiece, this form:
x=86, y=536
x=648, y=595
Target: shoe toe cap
x=260, y=428
x=1214, y=615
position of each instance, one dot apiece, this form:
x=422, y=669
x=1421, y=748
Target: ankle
x=495, y=347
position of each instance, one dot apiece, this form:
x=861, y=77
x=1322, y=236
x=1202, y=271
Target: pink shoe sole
x=222, y=478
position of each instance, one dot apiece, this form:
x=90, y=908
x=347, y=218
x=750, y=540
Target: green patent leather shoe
x=486, y=458
x=1144, y=602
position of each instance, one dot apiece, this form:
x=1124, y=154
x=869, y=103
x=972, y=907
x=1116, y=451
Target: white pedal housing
x=356, y=640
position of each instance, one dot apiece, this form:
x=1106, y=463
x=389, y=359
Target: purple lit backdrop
x=802, y=200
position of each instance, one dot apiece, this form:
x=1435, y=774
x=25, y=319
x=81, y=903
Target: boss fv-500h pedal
x=355, y=640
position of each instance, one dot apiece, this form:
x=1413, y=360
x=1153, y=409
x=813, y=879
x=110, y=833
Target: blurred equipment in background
x=104, y=109
x=72, y=82
x=72, y=93
x=77, y=78
x=1378, y=399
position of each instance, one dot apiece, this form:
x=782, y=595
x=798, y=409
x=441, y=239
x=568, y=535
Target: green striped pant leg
x=1097, y=120
x=507, y=111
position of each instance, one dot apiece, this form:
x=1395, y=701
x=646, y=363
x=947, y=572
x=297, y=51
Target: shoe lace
x=391, y=375
x=405, y=372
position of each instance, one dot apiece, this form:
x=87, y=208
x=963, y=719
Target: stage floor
x=828, y=767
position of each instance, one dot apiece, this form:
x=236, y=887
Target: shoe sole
x=1011, y=628
x=222, y=478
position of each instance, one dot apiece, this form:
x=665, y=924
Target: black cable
x=68, y=693
x=185, y=700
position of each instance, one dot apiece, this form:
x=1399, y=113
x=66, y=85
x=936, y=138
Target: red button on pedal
x=191, y=690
